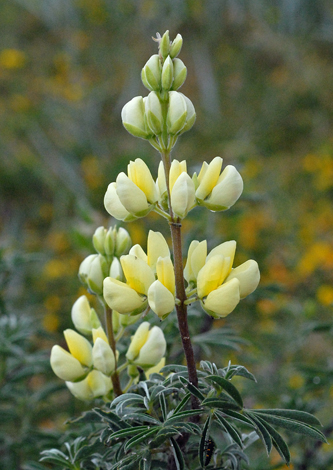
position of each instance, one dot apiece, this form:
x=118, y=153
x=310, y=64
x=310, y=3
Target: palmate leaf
x=228, y=387
x=163, y=434
x=183, y=403
x=57, y=457
x=292, y=425
x=240, y=371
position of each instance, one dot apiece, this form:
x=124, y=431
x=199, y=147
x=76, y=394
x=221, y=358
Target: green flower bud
x=123, y=242
x=179, y=73
x=85, y=267
x=177, y=112
x=98, y=271
x=83, y=316
x=116, y=271
x=110, y=241
x=132, y=371
x=99, y=239
x=151, y=73
x=176, y=46
x=133, y=117
x=165, y=45
x=191, y=115
x=154, y=113
x=167, y=74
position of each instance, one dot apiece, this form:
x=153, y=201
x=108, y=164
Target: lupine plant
x=158, y=415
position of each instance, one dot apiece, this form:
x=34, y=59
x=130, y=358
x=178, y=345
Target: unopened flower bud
x=154, y=113
x=179, y=73
x=99, y=333
x=99, y=239
x=190, y=116
x=182, y=195
x=85, y=267
x=177, y=112
x=109, y=241
x=165, y=45
x=151, y=73
x=160, y=299
x=147, y=347
x=167, y=74
x=123, y=242
x=115, y=270
x=103, y=357
x=83, y=316
x=98, y=271
x=196, y=258
x=176, y=46
x=114, y=206
x=133, y=117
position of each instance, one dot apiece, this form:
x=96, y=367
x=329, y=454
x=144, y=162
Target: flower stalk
x=110, y=334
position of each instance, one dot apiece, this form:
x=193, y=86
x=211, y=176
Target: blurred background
x=260, y=75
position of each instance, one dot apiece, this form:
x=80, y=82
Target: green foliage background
x=260, y=77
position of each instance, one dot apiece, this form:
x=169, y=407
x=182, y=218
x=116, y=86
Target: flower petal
x=248, y=275
x=121, y=297
x=222, y=301
x=160, y=299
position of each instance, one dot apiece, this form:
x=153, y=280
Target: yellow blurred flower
x=325, y=294
x=19, y=103
x=52, y=303
x=57, y=241
x=56, y=268
x=296, y=381
x=320, y=254
x=12, y=59
x=91, y=172
x=51, y=322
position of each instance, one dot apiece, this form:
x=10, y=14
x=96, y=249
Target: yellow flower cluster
x=136, y=194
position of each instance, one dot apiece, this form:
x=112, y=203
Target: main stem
x=109, y=329
x=181, y=309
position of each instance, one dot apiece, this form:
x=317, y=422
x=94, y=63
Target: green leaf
x=191, y=388
x=180, y=416
x=111, y=418
x=296, y=415
x=278, y=442
x=55, y=455
x=163, y=406
x=240, y=371
x=143, y=418
x=227, y=427
x=179, y=459
x=126, y=432
x=183, y=403
x=262, y=432
x=202, y=445
x=238, y=416
x=220, y=403
x=163, y=434
x=228, y=387
x=140, y=438
x=293, y=426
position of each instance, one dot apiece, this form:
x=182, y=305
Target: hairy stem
x=109, y=329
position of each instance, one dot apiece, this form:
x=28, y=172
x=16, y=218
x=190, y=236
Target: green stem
x=129, y=383
x=162, y=213
x=109, y=329
x=122, y=367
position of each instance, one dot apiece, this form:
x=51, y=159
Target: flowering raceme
x=219, y=287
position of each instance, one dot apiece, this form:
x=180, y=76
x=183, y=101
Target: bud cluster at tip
x=165, y=113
